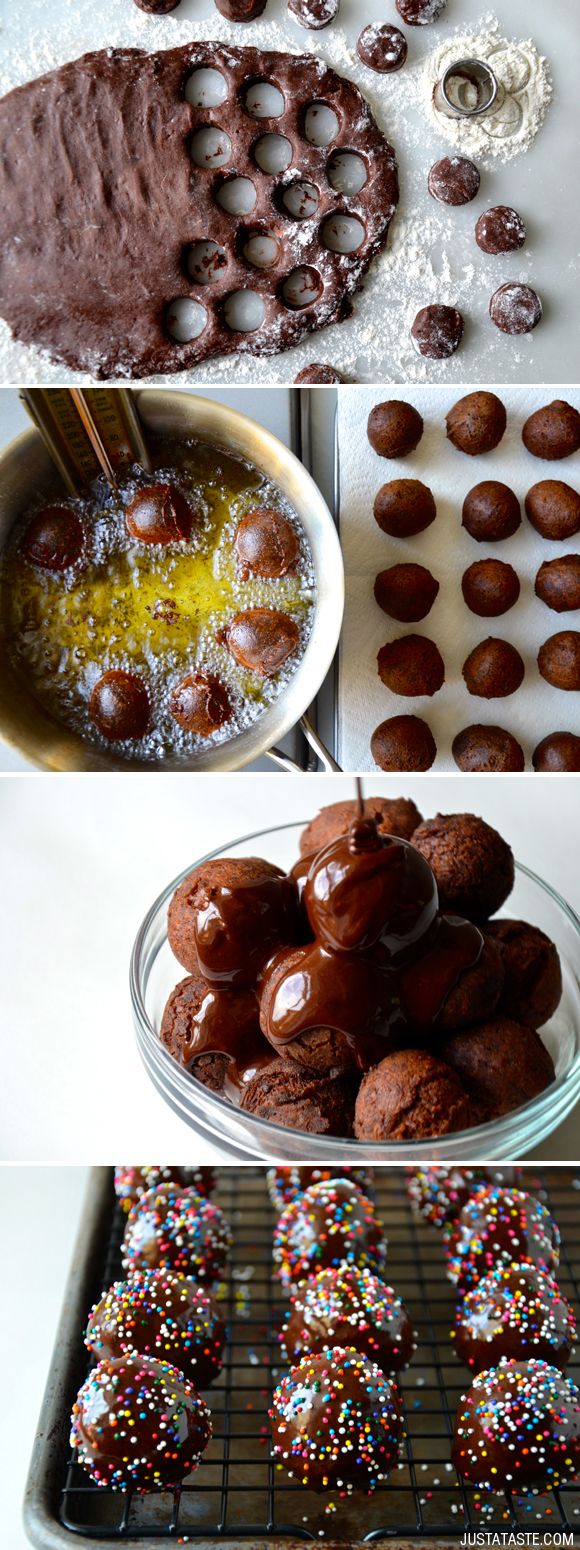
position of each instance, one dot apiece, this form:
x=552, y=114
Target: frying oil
x=150, y=608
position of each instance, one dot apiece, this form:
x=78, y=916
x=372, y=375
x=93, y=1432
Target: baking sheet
x=256, y=1503
x=446, y=549
x=374, y=344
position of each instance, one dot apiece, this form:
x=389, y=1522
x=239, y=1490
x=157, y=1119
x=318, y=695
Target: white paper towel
x=446, y=549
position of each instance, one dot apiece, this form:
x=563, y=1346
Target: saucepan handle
x=286, y=763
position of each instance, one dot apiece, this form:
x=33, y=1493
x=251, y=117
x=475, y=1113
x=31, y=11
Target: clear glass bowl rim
x=505, y=1128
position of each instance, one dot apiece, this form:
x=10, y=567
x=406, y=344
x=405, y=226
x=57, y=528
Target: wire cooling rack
x=239, y=1493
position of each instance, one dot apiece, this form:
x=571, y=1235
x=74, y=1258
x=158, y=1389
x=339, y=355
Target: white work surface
x=40, y=1213
x=270, y=408
x=446, y=549
x=434, y=241
x=83, y=858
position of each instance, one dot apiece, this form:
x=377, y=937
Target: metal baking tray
x=239, y=1497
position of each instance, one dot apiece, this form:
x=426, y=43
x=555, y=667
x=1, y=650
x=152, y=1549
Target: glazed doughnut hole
x=320, y=125
x=261, y=248
x=302, y=288
x=300, y=200
x=273, y=154
x=204, y=261
x=206, y=88
x=210, y=147
x=347, y=172
x=263, y=100
x=342, y=233
x=185, y=319
x=237, y=196
x=244, y=312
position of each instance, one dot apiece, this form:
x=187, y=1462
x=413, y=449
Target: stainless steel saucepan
x=26, y=468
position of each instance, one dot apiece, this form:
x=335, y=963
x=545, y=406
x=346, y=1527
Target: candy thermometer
x=88, y=431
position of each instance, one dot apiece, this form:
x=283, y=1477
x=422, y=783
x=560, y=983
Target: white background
x=40, y=1211
x=83, y=858
x=374, y=345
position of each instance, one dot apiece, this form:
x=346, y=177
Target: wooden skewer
x=359, y=796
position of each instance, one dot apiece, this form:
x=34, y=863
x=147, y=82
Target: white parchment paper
x=447, y=550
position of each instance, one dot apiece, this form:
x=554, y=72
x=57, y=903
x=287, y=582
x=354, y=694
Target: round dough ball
x=157, y=7
x=507, y=1404
x=266, y=543
x=490, y=588
x=119, y=706
x=403, y=743
x=406, y=592
x=394, y=428
x=454, y=180
x=437, y=331
x=54, y=539
x=418, y=13
x=491, y=512
x=532, y=988
x=493, y=670
x=476, y=423
x=500, y=230
x=352, y=1307
x=558, y=752
x=558, y=583
x=286, y=1093
x=148, y=1398
x=159, y=514
x=411, y=666
x=337, y=1422
x=318, y=373
x=559, y=660
x=553, y=508
x=553, y=432
x=241, y=10
x=404, y=508
x=482, y=750
x=516, y=1311
x=410, y=1096
x=314, y=14
x=200, y=703
x=163, y=1314
x=515, y=308
x=394, y=815
x=332, y=1223
x=501, y=1063
x=262, y=640
x=472, y=864
x=383, y=49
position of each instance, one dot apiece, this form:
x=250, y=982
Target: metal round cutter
x=467, y=89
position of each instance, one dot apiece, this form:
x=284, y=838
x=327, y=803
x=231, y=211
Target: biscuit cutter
x=452, y=93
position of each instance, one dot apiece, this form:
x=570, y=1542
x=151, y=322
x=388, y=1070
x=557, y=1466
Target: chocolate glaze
x=337, y=1422
x=239, y=921
x=368, y=887
x=424, y=984
x=202, y=1019
x=379, y=972
x=154, y=1406
x=351, y=995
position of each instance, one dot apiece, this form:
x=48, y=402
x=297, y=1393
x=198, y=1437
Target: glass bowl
x=154, y=972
